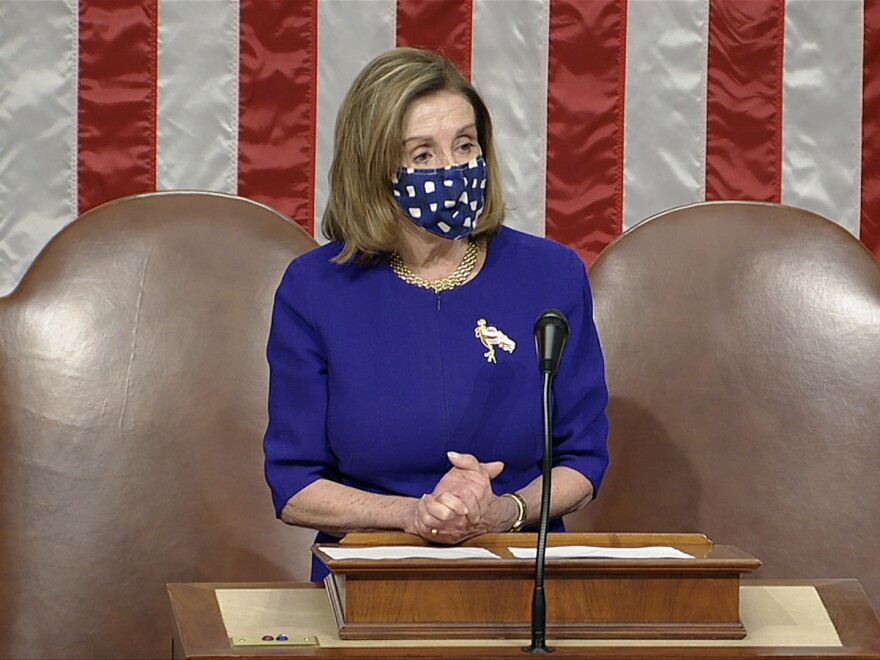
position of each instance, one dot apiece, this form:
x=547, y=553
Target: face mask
x=445, y=201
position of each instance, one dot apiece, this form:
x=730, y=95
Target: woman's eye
x=421, y=157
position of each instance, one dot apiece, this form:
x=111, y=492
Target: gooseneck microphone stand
x=539, y=602
x=551, y=333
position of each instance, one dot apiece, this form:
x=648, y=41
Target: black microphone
x=551, y=333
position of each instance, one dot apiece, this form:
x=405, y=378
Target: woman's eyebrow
x=470, y=128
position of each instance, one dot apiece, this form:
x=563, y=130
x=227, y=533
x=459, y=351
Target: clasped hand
x=462, y=503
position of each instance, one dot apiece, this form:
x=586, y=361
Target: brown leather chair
x=743, y=358
x=133, y=386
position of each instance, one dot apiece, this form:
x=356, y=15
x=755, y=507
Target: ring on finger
x=434, y=531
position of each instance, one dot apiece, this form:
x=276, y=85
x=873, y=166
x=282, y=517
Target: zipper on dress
x=444, y=391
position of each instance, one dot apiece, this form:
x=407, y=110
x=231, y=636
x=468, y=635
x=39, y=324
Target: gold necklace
x=454, y=279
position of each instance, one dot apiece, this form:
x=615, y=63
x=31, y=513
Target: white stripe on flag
x=38, y=100
x=510, y=44
x=350, y=34
x=822, y=108
x=197, y=141
x=665, y=141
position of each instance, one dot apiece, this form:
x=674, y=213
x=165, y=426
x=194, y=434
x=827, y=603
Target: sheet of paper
x=409, y=552
x=570, y=551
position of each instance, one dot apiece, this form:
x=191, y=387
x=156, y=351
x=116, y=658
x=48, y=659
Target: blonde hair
x=368, y=150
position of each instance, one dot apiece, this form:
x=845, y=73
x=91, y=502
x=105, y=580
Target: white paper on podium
x=571, y=551
x=408, y=552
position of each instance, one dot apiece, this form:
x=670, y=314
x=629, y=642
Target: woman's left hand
x=462, y=504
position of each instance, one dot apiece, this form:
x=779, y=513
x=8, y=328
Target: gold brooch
x=490, y=337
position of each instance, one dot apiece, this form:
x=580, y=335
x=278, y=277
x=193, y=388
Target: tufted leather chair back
x=743, y=358
x=133, y=386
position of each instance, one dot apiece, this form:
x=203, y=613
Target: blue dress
x=373, y=380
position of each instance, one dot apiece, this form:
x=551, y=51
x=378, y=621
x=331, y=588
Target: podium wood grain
x=490, y=598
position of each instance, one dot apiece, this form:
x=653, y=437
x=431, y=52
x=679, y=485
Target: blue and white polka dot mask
x=445, y=201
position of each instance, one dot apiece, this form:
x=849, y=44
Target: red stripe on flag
x=744, y=100
x=585, y=114
x=870, y=224
x=277, y=97
x=444, y=26
x=116, y=99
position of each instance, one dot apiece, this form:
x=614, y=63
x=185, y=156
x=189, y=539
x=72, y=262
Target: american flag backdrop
x=606, y=111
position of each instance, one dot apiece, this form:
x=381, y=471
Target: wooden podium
x=599, y=598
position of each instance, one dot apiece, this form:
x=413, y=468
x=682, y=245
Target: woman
x=404, y=391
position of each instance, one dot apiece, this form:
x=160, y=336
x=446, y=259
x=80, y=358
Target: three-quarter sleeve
x=580, y=394
x=295, y=445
